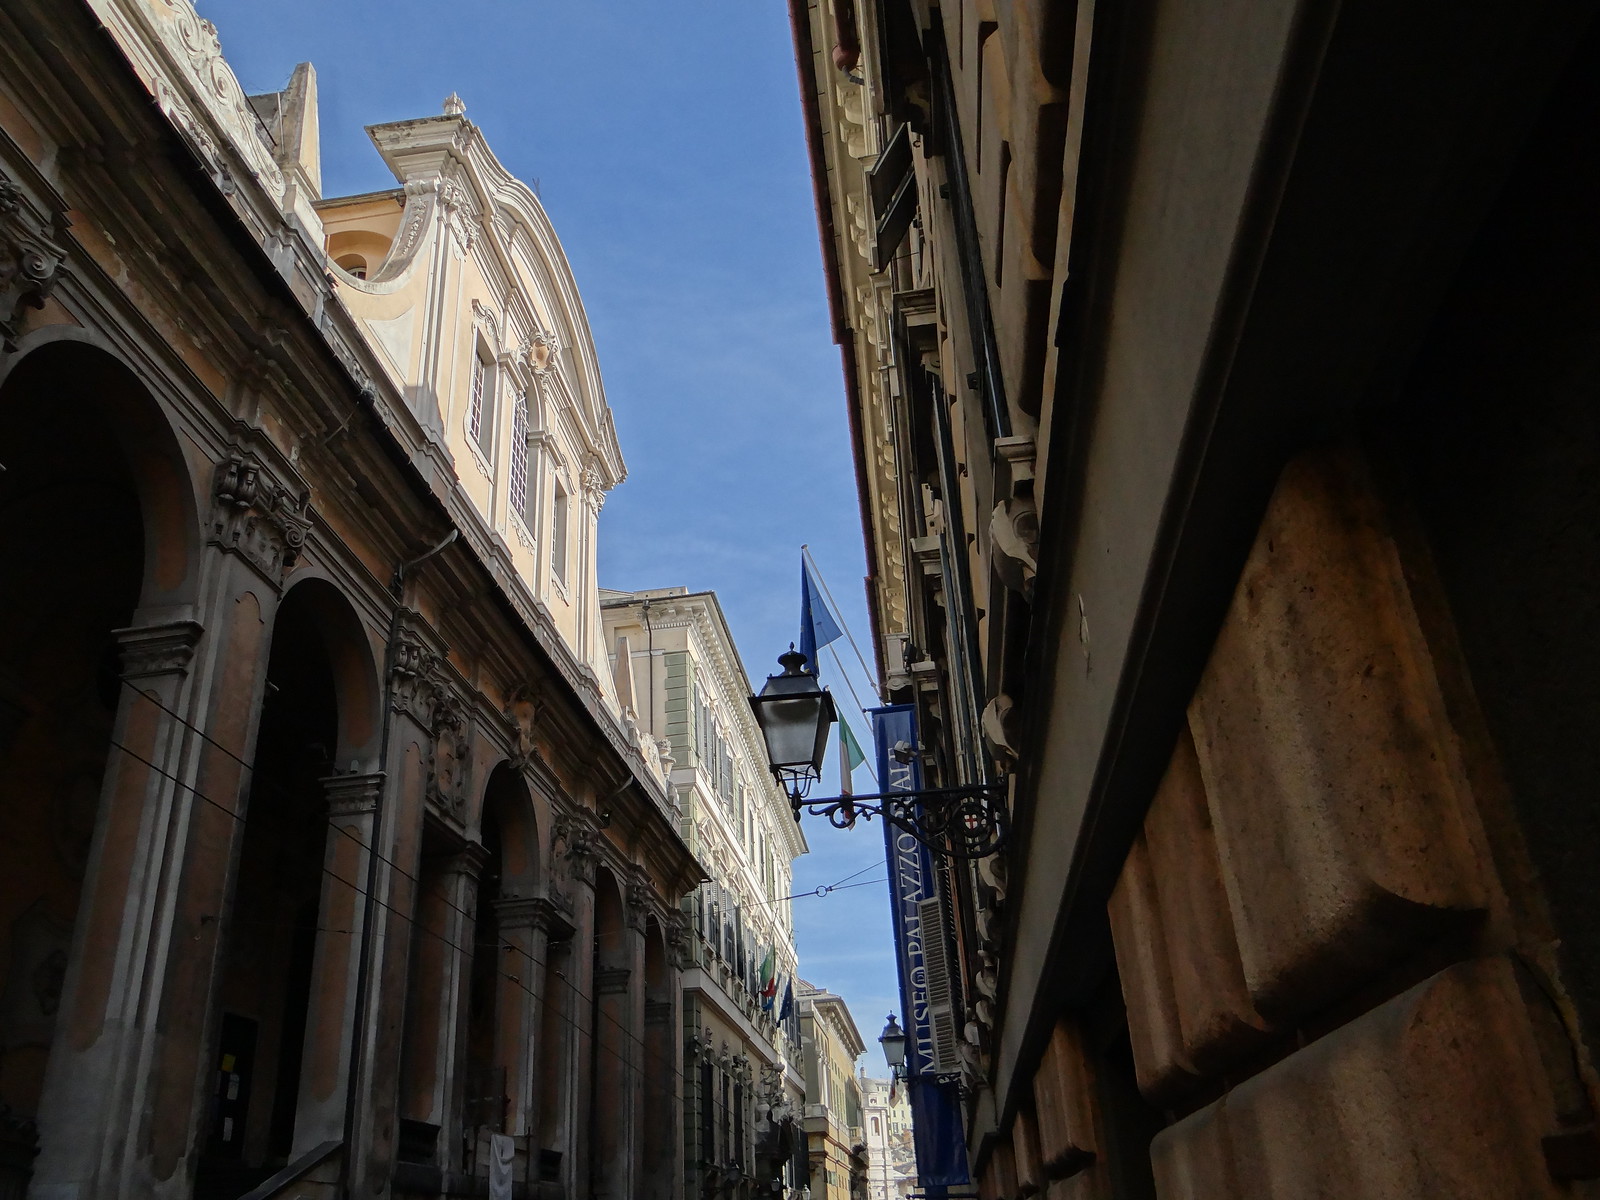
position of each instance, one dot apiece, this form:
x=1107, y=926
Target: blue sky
x=667, y=146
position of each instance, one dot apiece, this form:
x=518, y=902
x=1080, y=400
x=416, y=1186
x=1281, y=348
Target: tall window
x=558, y=534
x=519, y=457
x=481, y=414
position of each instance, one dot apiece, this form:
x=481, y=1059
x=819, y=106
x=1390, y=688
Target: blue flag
x=818, y=625
x=788, y=1002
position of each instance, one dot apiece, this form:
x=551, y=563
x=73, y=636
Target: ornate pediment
x=193, y=84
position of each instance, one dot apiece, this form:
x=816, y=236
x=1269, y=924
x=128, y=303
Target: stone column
x=414, y=688
x=332, y=1009
x=614, y=1078
x=664, y=1085
x=127, y=1087
x=87, y=1120
x=569, y=1095
x=524, y=926
x=436, y=1025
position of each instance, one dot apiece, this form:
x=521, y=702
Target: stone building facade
x=679, y=678
x=886, y=1125
x=322, y=848
x=835, y=1143
x=1221, y=383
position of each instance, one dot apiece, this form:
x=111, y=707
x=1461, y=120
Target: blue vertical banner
x=937, y=1133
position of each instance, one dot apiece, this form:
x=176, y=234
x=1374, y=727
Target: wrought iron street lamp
x=893, y=1041
x=794, y=714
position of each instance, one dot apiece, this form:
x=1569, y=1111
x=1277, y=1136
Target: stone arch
x=357, y=687
x=509, y=803
x=82, y=388
x=507, y=953
x=97, y=524
x=295, y=906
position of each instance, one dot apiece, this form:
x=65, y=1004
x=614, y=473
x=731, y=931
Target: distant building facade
x=323, y=848
x=1222, y=388
x=836, y=1144
x=891, y=1159
x=680, y=682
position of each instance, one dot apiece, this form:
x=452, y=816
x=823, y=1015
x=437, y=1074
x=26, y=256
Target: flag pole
x=859, y=707
x=871, y=678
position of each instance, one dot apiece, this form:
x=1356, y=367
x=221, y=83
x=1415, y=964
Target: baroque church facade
x=325, y=860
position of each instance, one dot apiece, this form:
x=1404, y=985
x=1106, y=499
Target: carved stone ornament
x=593, y=482
x=638, y=903
x=30, y=263
x=542, y=350
x=483, y=316
x=447, y=766
x=573, y=849
x=258, y=517
x=676, y=931
x=191, y=45
x=522, y=713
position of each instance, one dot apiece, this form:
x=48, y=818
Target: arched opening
x=661, y=1094
x=609, y=1126
x=506, y=953
x=487, y=1101
x=355, y=264
x=295, y=888
x=95, y=521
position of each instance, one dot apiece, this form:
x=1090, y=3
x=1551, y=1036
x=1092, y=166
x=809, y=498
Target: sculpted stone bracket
x=30, y=262
x=154, y=650
x=522, y=715
x=574, y=847
x=258, y=516
x=421, y=688
x=676, y=930
x=639, y=903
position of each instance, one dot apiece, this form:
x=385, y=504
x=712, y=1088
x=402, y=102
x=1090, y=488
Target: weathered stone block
x=1141, y=950
x=1330, y=771
x=1031, y=1178
x=1439, y=1092
x=1216, y=1018
x=1064, y=1099
x=998, y=1179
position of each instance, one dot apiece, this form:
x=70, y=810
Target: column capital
x=611, y=979
x=470, y=860
x=532, y=912
x=353, y=795
x=161, y=649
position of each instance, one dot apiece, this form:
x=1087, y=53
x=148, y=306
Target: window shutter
x=941, y=992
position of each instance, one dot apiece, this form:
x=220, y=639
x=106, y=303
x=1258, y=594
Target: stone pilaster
x=433, y=1064
x=525, y=925
x=341, y=918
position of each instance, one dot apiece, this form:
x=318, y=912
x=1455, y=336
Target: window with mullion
x=480, y=370
x=519, y=457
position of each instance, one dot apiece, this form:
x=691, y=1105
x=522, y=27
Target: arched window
x=353, y=263
x=519, y=457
